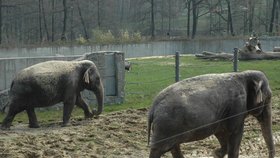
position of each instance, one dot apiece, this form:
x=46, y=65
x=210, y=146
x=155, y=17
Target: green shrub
x=136, y=36
x=81, y=40
x=108, y=37
x=124, y=36
x=103, y=37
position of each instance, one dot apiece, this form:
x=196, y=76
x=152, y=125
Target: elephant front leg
x=223, y=140
x=14, y=109
x=33, y=123
x=155, y=153
x=234, y=143
x=67, y=110
x=82, y=104
x=176, y=152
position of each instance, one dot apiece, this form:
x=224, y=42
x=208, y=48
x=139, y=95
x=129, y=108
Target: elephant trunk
x=266, y=126
x=99, y=93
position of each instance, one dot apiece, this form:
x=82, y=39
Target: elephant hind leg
x=158, y=150
x=14, y=109
x=176, y=151
x=223, y=140
x=33, y=123
x=82, y=104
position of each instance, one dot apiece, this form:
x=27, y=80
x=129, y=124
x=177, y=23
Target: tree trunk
x=152, y=20
x=230, y=24
x=122, y=8
x=53, y=6
x=251, y=6
x=63, y=35
x=169, y=16
x=272, y=16
x=40, y=21
x=98, y=14
x=45, y=21
x=194, y=26
x=189, y=18
x=1, y=22
x=86, y=36
x=277, y=17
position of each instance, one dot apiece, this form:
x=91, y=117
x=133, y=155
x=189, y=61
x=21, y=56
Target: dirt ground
x=118, y=134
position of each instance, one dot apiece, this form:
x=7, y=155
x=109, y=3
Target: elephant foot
x=96, y=113
x=34, y=126
x=96, y=116
x=218, y=153
x=89, y=116
x=67, y=124
x=5, y=127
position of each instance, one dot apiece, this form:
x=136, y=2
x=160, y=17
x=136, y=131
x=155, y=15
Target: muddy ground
x=118, y=134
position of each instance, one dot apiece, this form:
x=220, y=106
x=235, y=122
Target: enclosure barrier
x=146, y=49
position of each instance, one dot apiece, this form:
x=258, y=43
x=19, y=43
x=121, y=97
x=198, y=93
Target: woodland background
x=33, y=22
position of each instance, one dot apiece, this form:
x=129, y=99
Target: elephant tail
x=12, y=84
x=150, y=121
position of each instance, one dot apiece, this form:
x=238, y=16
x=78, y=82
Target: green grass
x=149, y=76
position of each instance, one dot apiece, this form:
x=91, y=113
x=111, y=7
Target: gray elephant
x=198, y=107
x=51, y=82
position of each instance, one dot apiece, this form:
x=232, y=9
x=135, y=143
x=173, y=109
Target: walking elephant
x=212, y=104
x=51, y=82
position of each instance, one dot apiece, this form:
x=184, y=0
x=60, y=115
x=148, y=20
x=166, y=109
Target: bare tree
x=98, y=14
x=53, y=13
x=229, y=20
x=277, y=17
x=251, y=6
x=152, y=20
x=195, y=4
x=86, y=36
x=0, y=21
x=188, y=5
x=274, y=6
x=63, y=35
x=45, y=20
x=40, y=21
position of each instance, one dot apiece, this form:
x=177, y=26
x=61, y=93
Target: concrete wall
x=109, y=64
x=143, y=49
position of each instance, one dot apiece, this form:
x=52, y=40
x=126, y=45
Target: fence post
x=177, y=63
x=235, y=59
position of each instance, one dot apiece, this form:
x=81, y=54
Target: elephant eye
x=97, y=78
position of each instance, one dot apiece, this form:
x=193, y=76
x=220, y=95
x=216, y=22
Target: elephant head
x=259, y=105
x=93, y=82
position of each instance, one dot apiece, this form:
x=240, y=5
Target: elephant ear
x=86, y=76
x=258, y=91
